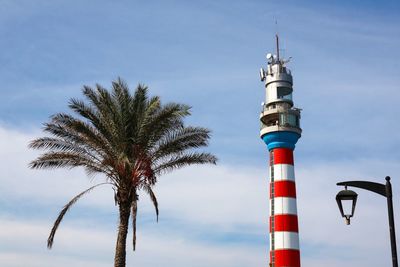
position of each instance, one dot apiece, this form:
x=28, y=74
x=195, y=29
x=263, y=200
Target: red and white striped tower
x=280, y=130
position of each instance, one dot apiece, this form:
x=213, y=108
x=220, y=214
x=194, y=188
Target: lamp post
x=381, y=189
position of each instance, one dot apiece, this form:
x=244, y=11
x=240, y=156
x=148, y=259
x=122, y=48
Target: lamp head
x=347, y=197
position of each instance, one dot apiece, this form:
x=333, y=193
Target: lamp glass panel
x=347, y=206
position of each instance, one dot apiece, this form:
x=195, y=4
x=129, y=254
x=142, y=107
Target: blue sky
x=206, y=54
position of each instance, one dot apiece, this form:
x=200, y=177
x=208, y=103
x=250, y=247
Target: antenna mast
x=277, y=46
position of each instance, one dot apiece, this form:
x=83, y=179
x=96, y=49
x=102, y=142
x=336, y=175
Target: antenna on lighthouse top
x=277, y=39
x=277, y=47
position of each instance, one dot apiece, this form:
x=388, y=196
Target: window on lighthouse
x=286, y=119
x=284, y=93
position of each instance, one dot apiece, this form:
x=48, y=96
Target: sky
x=345, y=65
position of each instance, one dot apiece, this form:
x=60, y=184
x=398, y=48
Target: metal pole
x=391, y=221
x=277, y=46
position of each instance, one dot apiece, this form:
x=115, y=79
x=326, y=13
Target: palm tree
x=130, y=139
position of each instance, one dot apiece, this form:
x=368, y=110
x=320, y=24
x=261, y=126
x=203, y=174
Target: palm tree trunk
x=120, y=249
x=134, y=214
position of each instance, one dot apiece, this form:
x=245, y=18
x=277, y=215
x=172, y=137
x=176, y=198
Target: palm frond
x=54, y=159
x=153, y=198
x=180, y=140
x=110, y=110
x=184, y=160
x=93, y=116
x=121, y=93
x=140, y=97
x=76, y=131
x=60, y=217
x=166, y=119
x=137, y=111
x=54, y=144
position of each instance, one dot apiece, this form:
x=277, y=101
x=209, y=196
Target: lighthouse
x=280, y=130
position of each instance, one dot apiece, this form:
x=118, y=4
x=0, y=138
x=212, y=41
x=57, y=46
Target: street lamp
x=381, y=189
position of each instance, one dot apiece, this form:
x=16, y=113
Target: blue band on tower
x=284, y=139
